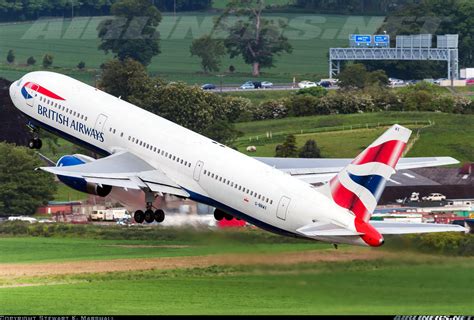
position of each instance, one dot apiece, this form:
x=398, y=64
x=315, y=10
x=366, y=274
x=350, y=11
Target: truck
x=467, y=73
x=110, y=214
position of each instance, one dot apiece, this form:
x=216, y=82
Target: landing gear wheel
x=149, y=216
x=218, y=215
x=159, y=215
x=35, y=143
x=139, y=216
x=228, y=217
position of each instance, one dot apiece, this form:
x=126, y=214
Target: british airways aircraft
x=145, y=153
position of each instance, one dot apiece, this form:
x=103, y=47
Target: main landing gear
x=219, y=215
x=149, y=215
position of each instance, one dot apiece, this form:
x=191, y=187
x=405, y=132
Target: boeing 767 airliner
x=142, y=151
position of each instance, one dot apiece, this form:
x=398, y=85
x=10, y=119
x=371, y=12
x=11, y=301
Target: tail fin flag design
x=358, y=186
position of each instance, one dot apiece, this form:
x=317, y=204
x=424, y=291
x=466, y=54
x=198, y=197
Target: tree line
x=15, y=10
x=362, y=7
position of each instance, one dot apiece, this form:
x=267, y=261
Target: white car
x=267, y=84
x=396, y=82
x=307, y=84
x=435, y=197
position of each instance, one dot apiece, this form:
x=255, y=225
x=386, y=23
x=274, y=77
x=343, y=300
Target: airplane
x=143, y=152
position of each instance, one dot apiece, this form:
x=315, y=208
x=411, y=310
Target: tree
x=222, y=131
x=377, y=78
x=10, y=56
x=132, y=34
x=31, y=61
x=47, y=60
x=22, y=189
x=257, y=40
x=356, y=76
x=288, y=149
x=353, y=76
x=310, y=150
x=209, y=50
x=127, y=79
x=81, y=65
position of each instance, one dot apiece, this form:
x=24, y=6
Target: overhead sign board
x=382, y=38
x=360, y=38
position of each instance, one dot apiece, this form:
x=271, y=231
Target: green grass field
x=311, y=36
x=450, y=135
x=28, y=250
x=401, y=283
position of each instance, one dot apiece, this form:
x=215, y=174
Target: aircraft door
x=197, y=170
x=100, y=123
x=283, y=207
x=32, y=93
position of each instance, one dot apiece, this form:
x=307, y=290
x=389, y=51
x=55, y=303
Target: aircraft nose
x=13, y=90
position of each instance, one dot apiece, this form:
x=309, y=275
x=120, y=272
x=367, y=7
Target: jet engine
x=78, y=183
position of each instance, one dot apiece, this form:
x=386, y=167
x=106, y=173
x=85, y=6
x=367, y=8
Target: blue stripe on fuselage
x=238, y=214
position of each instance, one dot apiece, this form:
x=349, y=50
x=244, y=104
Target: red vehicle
x=470, y=82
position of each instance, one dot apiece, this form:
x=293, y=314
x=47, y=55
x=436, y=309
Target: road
x=279, y=87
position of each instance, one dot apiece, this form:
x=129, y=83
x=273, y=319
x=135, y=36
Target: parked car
x=208, y=86
x=248, y=85
x=257, y=84
x=434, y=197
x=470, y=81
x=395, y=82
x=306, y=84
x=324, y=84
x=267, y=84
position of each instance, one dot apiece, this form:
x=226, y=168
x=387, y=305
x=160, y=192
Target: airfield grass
x=310, y=35
x=56, y=249
x=406, y=284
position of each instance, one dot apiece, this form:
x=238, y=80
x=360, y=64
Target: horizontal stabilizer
x=326, y=230
x=388, y=227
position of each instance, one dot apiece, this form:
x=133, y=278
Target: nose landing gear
x=35, y=142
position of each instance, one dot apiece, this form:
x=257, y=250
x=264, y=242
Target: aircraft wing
x=122, y=169
x=388, y=227
x=322, y=170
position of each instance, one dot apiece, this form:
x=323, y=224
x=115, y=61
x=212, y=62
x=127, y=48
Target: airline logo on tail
x=30, y=87
x=358, y=187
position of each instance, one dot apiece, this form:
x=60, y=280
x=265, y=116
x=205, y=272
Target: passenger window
x=205, y=171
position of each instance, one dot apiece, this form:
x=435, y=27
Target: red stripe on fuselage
x=43, y=91
x=388, y=153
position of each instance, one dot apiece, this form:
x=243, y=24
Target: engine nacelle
x=78, y=183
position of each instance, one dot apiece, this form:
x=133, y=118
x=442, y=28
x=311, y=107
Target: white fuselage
x=212, y=173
